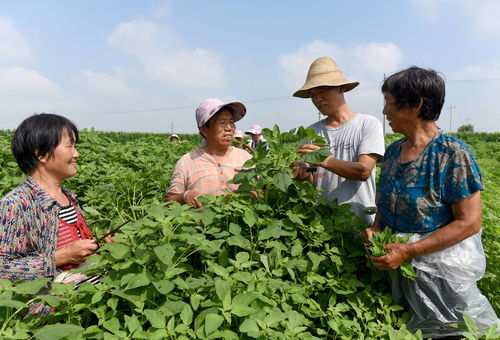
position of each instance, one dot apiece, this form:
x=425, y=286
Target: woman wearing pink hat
x=208, y=170
x=255, y=133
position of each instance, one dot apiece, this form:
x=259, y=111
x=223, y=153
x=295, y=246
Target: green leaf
x=117, y=250
x=241, y=310
x=132, y=323
x=250, y=217
x=273, y=231
x=139, y=280
x=239, y=241
x=113, y=325
x=58, y=331
x=155, y=318
x=250, y=327
x=316, y=156
x=31, y=287
x=283, y=178
x=315, y=259
x=165, y=253
x=12, y=303
x=187, y=315
x=212, y=323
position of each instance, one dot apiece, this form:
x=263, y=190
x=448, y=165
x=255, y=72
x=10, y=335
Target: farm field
x=287, y=265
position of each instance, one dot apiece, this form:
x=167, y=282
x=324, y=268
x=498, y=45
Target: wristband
x=184, y=196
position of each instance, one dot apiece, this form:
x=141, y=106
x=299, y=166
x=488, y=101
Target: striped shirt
x=199, y=171
x=28, y=232
x=68, y=214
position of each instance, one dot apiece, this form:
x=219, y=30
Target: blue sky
x=123, y=65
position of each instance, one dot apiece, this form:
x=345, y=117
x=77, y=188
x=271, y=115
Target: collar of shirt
x=46, y=201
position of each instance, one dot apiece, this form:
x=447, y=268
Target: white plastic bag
x=446, y=288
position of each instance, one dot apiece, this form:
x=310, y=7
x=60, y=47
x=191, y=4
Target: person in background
x=356, y=141
x=430, y=185
x=255, y=133
x=239, y=138
x=208, y=169
x=173, y=138
x=42, y=228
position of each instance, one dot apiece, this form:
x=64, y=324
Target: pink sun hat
x=209, y=107
x=254, y=130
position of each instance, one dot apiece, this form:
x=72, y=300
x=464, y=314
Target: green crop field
x=288, y=265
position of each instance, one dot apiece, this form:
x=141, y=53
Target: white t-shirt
x=361, y=135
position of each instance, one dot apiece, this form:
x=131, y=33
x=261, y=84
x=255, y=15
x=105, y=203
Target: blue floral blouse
x=417, y=196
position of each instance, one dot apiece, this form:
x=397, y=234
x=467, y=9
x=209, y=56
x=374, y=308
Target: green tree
x=468, y=128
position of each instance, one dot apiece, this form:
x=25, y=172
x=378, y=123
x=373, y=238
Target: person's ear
x=41, y=159
x=203, y=131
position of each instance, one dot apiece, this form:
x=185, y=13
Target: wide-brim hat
x=324, y=72
x=209, y=107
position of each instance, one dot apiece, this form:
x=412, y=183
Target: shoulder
x=240, y=153
x=316, y=126
x=367, y=120
x=17, y=198
x=191, y=156
x=451, y=144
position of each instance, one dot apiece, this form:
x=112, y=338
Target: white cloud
x=103, y=84
x=164, y=58
x=478, y=72
x=13, y=46
x=27, y=84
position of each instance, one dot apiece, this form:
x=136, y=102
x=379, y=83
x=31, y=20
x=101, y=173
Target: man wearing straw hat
x=356, y=141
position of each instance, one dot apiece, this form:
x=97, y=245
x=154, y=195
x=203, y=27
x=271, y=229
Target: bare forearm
x=443, y=238
x=350, y=170
x=176, y=197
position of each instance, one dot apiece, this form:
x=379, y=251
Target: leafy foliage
x=288, y=264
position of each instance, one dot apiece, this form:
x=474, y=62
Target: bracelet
x=184, y=196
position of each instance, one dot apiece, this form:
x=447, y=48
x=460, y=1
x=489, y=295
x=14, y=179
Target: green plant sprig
x=377, y=248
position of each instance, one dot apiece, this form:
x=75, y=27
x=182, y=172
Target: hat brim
x=239, y=110
x=305, y=91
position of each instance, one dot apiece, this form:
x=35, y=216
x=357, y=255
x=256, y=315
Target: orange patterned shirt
x=199, y=171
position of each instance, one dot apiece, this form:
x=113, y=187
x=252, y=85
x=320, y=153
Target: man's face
x=220, y=130
x=255, y=136
x=327, y=99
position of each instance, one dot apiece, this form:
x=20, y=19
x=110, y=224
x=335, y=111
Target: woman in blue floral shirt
x=42, y=230
x=430, y=185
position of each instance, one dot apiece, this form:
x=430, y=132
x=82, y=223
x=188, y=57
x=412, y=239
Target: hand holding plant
x=390, y=251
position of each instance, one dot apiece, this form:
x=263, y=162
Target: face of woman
x=221, y=129
x=399, y=119
x=62, y=164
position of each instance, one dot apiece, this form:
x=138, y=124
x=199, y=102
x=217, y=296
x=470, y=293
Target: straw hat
x=324, y=72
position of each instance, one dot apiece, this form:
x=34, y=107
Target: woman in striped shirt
x=42, y=230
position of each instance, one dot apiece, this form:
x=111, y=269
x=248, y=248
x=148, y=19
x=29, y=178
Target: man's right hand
x=300, y=171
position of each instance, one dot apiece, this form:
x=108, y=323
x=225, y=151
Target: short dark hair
x=38, y=136
x=415, y=84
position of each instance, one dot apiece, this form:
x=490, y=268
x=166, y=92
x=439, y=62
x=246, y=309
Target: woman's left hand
x=397, y=253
